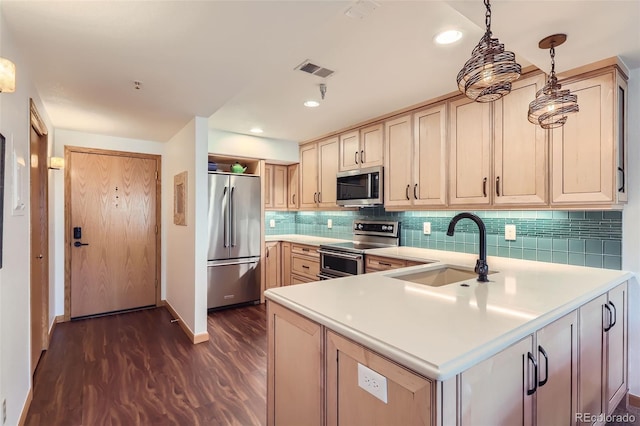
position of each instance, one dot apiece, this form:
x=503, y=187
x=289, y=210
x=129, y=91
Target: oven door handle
x=341, y=255
x=326, y=277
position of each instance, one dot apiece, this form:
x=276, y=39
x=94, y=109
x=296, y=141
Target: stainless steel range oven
x=346, y=259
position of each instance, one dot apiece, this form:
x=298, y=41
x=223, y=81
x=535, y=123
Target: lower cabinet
x=273, y=274
x=285, y=251
x=364, y=388
x=305, y=263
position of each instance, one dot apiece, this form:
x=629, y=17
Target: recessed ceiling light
x=447, y=37
x=311, y=104
x=256, y=130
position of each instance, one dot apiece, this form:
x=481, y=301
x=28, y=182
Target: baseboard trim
x=634, y=400
x=25, y=409
x=195, y=338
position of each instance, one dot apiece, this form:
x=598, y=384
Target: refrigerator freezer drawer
x=232, y=283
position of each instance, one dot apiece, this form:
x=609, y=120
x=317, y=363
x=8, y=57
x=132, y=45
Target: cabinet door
x=495, y=390
x=286, y=262
x=616, y=347
x=308, y=175
x=398, y=173
x=520, y=148
x=350, y=151
x=268, y=186
x=295, y=357
x=430, y=157
x=327, y=171
x=582, y=150
x=293, y=192
x=410, y=397
x=280, y=187
x=371, y=146
x=470, y=153
x=557, y=350
x=272, y=261
x=591, y=358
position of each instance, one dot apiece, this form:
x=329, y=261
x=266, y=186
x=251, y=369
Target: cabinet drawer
x=384, y=263
x=305, y=266
x=297, y=279
x=305, y=250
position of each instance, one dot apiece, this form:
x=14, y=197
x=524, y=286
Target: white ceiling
x=233, y=61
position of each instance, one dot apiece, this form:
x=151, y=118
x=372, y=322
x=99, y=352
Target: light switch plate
x=373, y=382
x=510, y=232
x=329, y=223
x=272, y=223
x=426, y=228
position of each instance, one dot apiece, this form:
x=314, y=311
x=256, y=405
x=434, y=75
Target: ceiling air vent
x=314, y=69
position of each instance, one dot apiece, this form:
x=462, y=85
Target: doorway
x=112, y=213
x=39, y=224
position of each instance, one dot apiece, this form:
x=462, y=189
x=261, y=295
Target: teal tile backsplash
x=585, y=238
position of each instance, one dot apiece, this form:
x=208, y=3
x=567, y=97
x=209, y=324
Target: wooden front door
x=112, y=232
x=39, y=224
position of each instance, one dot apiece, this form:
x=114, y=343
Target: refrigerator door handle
x=226, y=219
x=233, y=218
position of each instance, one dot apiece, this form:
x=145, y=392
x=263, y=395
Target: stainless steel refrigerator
x=234, y=239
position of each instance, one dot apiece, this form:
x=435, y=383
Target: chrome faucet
x=482, y=269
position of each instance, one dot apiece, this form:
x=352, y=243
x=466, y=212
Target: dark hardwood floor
x=138, y=368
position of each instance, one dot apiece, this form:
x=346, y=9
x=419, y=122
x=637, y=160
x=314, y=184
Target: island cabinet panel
x=495, y=390
x=409, y=397
x=295, y=390
x=470, y=153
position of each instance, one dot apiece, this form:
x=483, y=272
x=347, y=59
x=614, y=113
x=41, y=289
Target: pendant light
x=488, y=74
x=550, y=107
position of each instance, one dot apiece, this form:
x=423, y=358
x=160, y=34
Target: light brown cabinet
x=588, y=153
x=416, y=159
x=285, y=251
x=293, y=200
x=409, y=396
x=381, y=263
x=273, y=274
x=295, y=363
x=362, y=148
x=318, y=168
x=275, y=187
x=602, y=369
x=305, y=263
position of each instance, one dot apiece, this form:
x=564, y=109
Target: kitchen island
x=464, y=347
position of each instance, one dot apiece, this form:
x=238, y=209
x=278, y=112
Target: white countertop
x=441, y=331
x=303, y=239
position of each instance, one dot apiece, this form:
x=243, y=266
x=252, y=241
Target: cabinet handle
x=615, y=315
x=362, y=157
x=406, y=192
x=293, y=199
x=415, y=187
x=315, y=197
x=621, y=189
x=608, y=327
x=384, y=264
x=319, y=197
x=356, y=156
x=546, y=366
x=484, y=187
x=305, y=266
x=535, y=374
x=498, y=186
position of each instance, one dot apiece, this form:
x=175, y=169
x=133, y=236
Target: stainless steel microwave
x=362, y=187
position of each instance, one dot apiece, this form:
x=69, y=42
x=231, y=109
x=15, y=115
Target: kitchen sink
x=438, y=277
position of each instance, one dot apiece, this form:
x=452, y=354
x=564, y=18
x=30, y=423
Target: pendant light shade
x=488, y=74
x=550, y=107
x=7, y=76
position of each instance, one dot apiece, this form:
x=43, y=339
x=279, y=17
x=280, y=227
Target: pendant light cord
x=487, y=17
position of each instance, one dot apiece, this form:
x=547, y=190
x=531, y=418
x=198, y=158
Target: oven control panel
x=381, y=228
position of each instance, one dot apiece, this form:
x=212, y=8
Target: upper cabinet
x=275, y=187
x=497, y=157
x=415, y=159
x=362, y=148
x=588, y=154
x=318, y=168
x=293, y=201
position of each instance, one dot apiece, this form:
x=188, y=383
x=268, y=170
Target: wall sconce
x=56, y=163
x=7, y=76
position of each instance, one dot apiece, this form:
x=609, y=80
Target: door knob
x=78, y=244
x=39, y=257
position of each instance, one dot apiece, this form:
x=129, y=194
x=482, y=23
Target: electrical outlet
x=372, y=382
x=4, y=411
x=510, y=232
x=426, y=228
x=272, y=223
x=329, y=223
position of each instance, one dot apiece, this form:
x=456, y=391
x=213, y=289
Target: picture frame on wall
x=2, y=163
x=180, y=191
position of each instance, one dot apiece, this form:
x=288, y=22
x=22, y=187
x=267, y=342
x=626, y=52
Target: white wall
x=56, y=199
x=235, y=144
x=631, y=230
x=186, y=286
x=15, y=342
